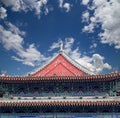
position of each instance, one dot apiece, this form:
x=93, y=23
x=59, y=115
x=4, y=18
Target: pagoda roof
x=59, y=102
x=61, y=65
x=32, y=79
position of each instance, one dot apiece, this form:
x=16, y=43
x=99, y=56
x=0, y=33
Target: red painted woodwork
x=60, y=66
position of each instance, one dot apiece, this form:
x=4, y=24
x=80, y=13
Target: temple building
x=61, y=88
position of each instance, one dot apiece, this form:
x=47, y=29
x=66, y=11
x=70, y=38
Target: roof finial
x=61, y=45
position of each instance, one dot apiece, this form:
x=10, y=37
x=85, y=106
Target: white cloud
x=85, y=16
x=26, y=5
x=14, y=29
x=54, y=46
x=94, y=45
x=68, y=45
x=98, y=63
x=85, y=2
x=3, y=13
x=60, y=3
x=89, y=28
x=12, y=39
x=106, y=14
x=66, y=6
x=30, y=56
x=95, y=63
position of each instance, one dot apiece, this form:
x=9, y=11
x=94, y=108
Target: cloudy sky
x=30, y=32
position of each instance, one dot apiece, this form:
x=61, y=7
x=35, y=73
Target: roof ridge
x=79, y=66
x=43, y=66
x=68, y=58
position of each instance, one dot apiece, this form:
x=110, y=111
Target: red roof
x=61, y=65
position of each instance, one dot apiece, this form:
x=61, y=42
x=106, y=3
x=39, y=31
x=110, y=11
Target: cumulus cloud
x=30, y=56
x=94, y=45
x=99, y=64
x=95, y=63
x=85, y=2
x=54, y=46
x=89, y=28
x=105, y=14
x=26, y=5
x=60, y=3
x=12, y=39
x=85, y=16
x=68, y=44
x=67, y=6
x=14, y=29
x=3, y=13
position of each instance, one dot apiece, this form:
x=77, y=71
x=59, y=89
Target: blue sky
x=30, y=32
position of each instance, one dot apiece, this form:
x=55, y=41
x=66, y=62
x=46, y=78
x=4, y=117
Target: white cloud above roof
x=105, y=14
x=12, y=39
x=67, y=6
x=54, y=46
x=85, y=2
x=94, y=45
x=27, y=5
x=3, y=13
x=85, y=16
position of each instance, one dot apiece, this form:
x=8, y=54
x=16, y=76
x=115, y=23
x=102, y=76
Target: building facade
x=62, y=88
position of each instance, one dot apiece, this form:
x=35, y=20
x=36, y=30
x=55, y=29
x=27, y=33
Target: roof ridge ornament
x=61, y=46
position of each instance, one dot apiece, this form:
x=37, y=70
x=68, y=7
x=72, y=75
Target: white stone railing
x=52, y=99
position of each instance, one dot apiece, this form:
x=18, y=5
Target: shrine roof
x=34, y=103
x=21, y=79
x=61, y=65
